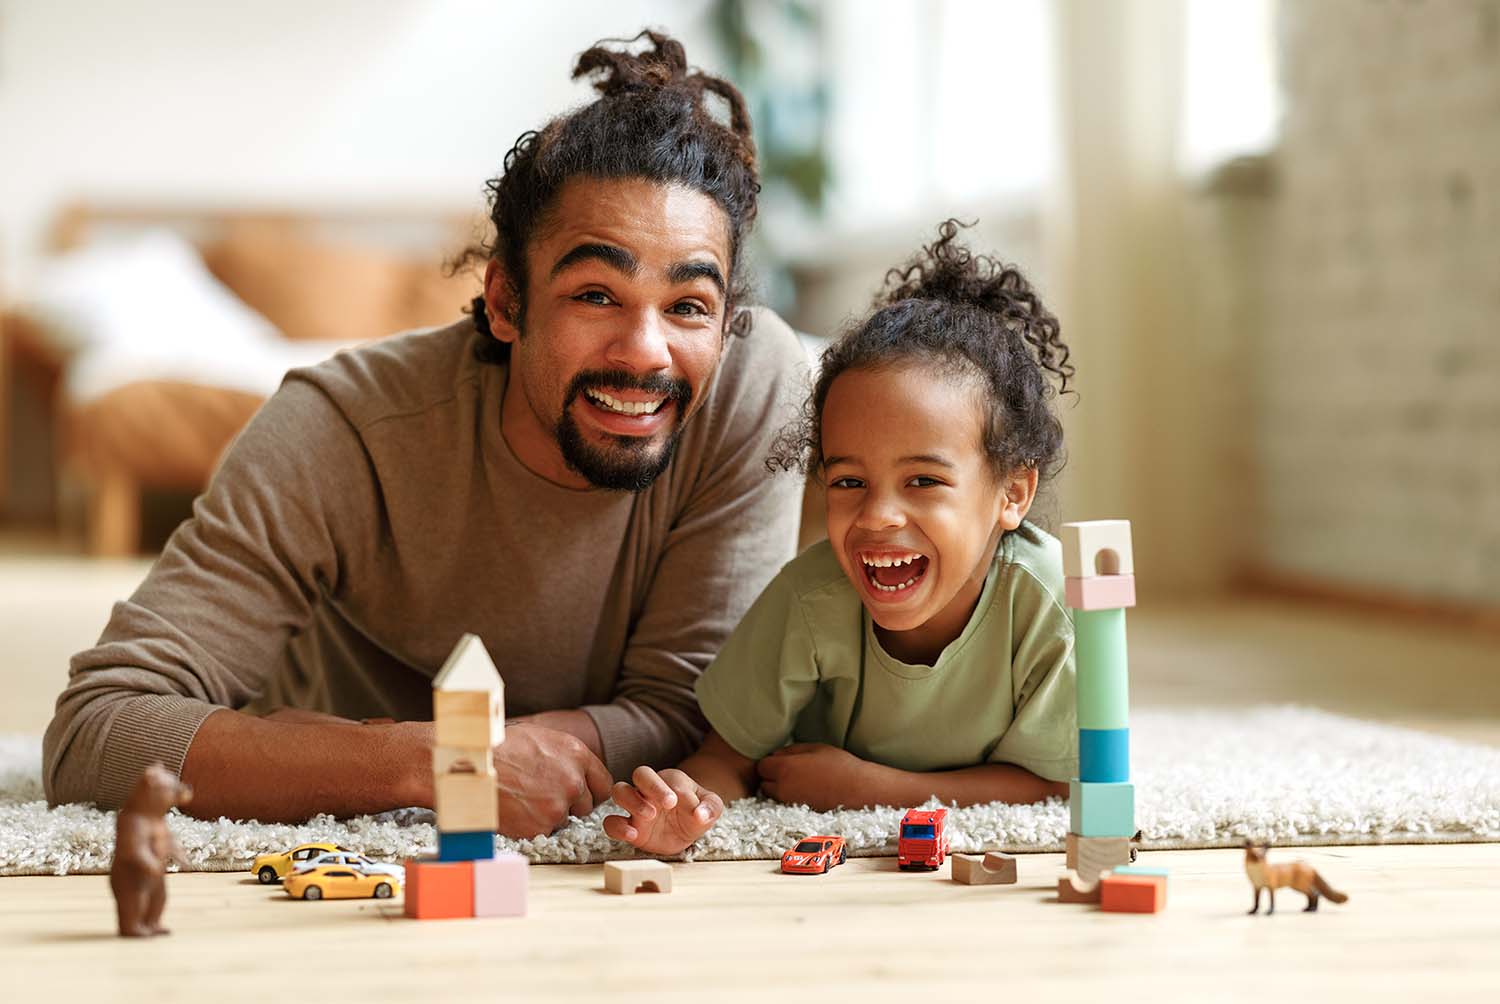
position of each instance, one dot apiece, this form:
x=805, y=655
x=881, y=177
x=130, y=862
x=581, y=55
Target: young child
x=924, y=648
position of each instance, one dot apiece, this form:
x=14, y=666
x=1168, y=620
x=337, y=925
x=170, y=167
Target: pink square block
x=1100, y=592
x=500, y=886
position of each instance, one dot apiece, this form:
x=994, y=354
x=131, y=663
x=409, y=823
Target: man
x=575, y=474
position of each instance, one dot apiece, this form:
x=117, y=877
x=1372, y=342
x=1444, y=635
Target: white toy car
x=349, y=859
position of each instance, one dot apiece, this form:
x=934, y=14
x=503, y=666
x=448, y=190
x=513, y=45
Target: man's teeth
x=892, y=589
x=625, y=407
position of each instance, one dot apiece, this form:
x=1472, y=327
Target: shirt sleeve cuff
x=625, y=740
x=146, y=730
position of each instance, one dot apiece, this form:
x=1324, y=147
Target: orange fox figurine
x=1298, y=875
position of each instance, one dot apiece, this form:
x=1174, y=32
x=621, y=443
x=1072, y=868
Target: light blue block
x=472, y=845
x=1104, y=755
x=1101, y=810
x=1138, y=870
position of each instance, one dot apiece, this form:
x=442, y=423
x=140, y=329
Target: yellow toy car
x=271, y=867
x=339, y=882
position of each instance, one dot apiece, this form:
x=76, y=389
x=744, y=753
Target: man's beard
x=631, y=463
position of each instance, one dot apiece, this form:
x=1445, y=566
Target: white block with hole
x=1097, y=547
x=626, y=878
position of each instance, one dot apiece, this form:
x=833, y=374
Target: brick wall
x=1378, y=373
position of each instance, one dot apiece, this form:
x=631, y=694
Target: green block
x=1101, y=657
x=1098, y=809
x=1138, y=870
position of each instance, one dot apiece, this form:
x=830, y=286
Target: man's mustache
x=655, y=384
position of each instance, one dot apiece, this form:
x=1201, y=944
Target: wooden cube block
x=439, y=890
x=994, y=868
x=1072, y=889
x=1104, y=755
x=475, y=845
x=1100, y=592
x=1132, y=893
x=466, y=802
x=1101, y=810
x=1097, y=547
x=627, y=878
x=1088, y=856
x=462, y=760
x=470, y=718
x=500, y=886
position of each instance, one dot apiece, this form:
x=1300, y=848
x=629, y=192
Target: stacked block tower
x=466, y=879
x=1100, y=585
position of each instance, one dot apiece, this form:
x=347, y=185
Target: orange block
x=1132, y=893
x=438, y=890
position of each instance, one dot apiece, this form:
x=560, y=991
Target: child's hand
x=817, y=775
x=668, y=811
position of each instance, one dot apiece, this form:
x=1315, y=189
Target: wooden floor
x=1423, y=921
x=1421, y=924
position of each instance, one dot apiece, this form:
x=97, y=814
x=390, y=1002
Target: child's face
x=909, y=482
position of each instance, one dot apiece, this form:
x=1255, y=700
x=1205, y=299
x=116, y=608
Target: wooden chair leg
x=114, y=529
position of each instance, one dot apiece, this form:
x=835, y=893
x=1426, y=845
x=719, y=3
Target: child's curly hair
x=968, y=314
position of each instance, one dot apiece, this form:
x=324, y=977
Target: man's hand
x=545, y=776
x=817, y=775
x=668, y=811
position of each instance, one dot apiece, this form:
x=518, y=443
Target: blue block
x=1101, y=810
x=473, y=845
x=1138, y=870
x=1104, y=755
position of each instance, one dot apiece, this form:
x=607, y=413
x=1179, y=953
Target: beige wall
x=1378, y=377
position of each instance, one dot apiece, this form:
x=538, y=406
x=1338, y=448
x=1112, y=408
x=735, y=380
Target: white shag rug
x=1203, y=779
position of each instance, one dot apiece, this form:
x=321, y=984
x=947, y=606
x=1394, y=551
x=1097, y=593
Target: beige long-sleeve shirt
x=372, y=513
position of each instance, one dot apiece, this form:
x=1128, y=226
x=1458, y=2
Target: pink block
x=1100, y=592
x=500, y=886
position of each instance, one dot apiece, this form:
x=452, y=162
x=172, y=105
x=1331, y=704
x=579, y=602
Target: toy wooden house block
x=468, y=710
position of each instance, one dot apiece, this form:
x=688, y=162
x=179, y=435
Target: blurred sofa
x=150, y=339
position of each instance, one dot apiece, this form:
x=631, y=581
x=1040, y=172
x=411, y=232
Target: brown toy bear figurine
x=143, y=846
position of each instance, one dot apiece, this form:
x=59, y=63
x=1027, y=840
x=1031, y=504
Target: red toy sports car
x=814, y=856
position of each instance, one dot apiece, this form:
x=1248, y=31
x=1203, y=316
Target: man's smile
x=626, y=404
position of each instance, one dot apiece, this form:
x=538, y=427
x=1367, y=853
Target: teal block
x=1138, y=870
x=1104, y=755
x=1101, y=810
x=473, y=845
x=1101, y=656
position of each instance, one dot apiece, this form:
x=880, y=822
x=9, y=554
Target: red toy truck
x=923, y=842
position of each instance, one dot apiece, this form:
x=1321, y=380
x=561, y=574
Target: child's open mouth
x=893, y=574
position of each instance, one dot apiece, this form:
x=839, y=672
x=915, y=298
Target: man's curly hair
x=969, y=315
x=652, y=120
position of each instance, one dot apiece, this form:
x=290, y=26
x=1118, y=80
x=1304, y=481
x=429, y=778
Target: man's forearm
x=578, y=724
x=273, y=770
x=1000, y=782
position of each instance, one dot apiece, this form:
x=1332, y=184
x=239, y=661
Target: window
x=947, y=102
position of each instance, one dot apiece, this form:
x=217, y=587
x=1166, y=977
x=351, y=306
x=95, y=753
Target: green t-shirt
x=804, y=665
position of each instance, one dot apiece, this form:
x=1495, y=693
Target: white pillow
x=150, y=293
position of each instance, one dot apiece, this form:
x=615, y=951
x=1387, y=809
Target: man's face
x=623, y=329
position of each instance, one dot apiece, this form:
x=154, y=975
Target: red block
x=1100, y=592
x=1132, y=893
x=500, y=886
x=438, y=890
